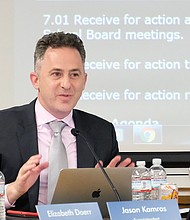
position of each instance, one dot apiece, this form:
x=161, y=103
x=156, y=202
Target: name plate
x=71, y=211
x=147, y=209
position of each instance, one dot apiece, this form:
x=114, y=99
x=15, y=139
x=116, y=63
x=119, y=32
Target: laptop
x=90, y=185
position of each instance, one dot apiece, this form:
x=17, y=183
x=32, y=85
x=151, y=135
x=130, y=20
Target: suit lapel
x=27, y=141
x=85, y=157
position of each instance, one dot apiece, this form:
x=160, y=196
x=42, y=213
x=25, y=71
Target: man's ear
x=85, y=80
x=34, y=78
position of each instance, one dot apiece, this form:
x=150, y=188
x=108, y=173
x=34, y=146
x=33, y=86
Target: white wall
x=6, y=53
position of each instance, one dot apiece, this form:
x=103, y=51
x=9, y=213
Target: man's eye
x=56, y=73
x=74, y=75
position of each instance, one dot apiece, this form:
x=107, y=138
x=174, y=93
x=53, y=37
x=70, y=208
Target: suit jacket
x=19, y=141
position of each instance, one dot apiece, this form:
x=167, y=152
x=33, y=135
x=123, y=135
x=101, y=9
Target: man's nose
x=65, y=82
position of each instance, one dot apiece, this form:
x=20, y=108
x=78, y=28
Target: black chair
x=188, y=216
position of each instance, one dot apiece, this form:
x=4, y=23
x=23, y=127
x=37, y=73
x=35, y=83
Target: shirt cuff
x=7, y=203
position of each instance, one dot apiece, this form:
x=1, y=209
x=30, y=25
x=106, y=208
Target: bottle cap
x=157, y=161
x=140, y=163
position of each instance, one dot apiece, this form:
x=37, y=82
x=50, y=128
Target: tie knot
x=57, y=126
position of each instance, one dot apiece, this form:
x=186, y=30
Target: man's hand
x=116, y=161
x=27, y=176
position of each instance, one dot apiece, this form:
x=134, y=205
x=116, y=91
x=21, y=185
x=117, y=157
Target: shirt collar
x=44, y=117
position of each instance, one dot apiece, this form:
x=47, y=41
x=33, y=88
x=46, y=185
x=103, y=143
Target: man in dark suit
x=59, y=78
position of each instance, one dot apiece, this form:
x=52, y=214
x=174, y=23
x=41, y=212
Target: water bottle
x=2, y=197
x=141, y=182
x=158, y=176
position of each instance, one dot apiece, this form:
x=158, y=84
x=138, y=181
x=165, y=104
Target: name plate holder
x=71, y=211
x=147, y=209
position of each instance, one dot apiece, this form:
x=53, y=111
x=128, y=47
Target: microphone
x=77, y=133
